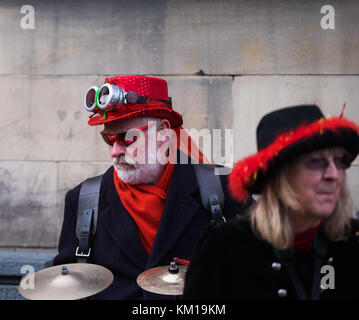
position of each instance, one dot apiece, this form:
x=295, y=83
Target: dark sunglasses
x=322, y=163
x=121, y=137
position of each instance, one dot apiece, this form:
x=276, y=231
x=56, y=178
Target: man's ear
x=164, y=124
x=163, y=131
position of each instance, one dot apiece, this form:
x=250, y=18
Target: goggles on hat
x=121, y=137
x=108, y=96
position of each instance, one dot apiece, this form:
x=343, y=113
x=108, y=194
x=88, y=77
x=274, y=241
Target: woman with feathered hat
x=299, y=241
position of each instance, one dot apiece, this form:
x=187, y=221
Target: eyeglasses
x=322, y=163
x=121, y=137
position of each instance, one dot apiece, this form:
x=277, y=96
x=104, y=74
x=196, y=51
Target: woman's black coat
x=231, y=263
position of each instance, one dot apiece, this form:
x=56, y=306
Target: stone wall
x=227, y=63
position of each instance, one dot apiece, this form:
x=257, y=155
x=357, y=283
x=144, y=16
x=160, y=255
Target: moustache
x=122, y=159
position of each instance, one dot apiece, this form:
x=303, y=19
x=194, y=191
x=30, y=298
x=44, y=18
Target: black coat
x=117, y=245
x=229, y=262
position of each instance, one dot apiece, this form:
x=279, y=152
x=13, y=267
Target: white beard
x=132, y=172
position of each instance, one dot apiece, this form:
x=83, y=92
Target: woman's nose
x=331, y=171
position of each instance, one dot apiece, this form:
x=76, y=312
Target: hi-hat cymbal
x=168, y=280
x=66, y=282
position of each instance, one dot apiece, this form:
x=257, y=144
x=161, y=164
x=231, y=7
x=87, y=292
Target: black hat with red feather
x=285, y=134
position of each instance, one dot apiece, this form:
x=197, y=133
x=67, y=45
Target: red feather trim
x=245, y=171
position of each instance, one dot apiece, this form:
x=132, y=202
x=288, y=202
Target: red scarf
x=145, y=202
x=304, y=240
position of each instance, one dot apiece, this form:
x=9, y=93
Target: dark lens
x=103, y=95
x=128, y=142
x=107, y=139
x=316, y=163
x=122, y=138
x=342, y=162
x=90, y=98
x=132, y=97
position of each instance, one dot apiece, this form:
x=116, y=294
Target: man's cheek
x=135, y=155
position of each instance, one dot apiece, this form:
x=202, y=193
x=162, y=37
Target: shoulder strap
x=210, y=187
x=87, y=215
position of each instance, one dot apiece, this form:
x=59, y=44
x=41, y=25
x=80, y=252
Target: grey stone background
x=227, y=63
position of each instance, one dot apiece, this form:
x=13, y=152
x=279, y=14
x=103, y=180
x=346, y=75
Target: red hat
x=285, y=134
x=157, y=104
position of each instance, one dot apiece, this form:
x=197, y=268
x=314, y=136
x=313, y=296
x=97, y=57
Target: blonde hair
x=271, y=215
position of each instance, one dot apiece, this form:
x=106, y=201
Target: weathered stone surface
x=28, y=203
x=20, y=263
x=32, y=199
x=45, y=119
x=49, y=121
x=10, y=293
x=70, y=175
x=227, y=63
x=353, y=185
x=179, y=37
x=254, y=96
x=15, y=265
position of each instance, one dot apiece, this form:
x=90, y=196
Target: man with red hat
x=149, y=212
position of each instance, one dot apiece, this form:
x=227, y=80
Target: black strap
x=287, y=258
x=320, y=249
x=143, y=100
x=83, y=251
x=298, y=284
x=211, y=191
x=316, y=279
x=294, y=277
x=87, y=215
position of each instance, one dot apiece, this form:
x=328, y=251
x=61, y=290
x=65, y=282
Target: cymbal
x=66, y=282
x=168, y=280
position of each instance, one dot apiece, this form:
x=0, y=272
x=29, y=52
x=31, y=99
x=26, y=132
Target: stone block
x=206, y=106
x=255, y=96
x=179, y=38
x=204, y=102
x=44, y=128
x=15, y=265
x=70, y=175
x=28, y=204
x=48, y=120
x=353, y=185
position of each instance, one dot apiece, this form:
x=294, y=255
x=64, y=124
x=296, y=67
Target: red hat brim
x=173, y=117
